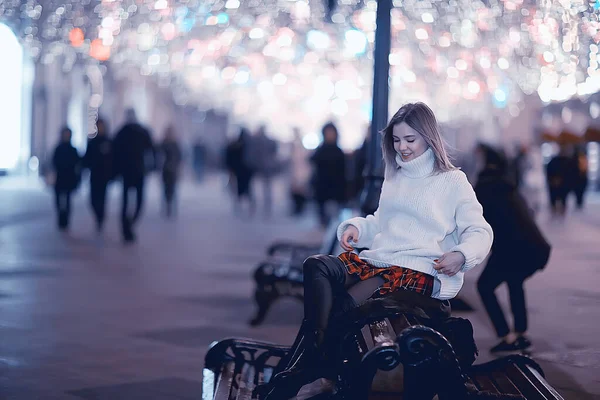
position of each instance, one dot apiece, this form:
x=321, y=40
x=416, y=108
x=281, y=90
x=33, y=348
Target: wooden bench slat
x=225, y=381
x=527, y=387
x=382, y=331
x=367, y=338
x=485, y=382
x=542, y=384
x=472, y=382
x=246, y=383
x=504, y=383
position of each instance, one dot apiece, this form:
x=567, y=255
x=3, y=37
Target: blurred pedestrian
x=66, y=163
x=300, y=173
x=558, y=171
x=261, y=157
x=199, y=158
x=171, y=163
x=240, y=173
x=579, y=181
x=99, y=160
x=519, y=249
x=330, y=172
x=519, y=165
x=133, y=158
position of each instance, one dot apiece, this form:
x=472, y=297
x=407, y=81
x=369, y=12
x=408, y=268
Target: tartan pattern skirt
x=394, y=277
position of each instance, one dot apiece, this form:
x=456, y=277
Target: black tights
x=328, y=286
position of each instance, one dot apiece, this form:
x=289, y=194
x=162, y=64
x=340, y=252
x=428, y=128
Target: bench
x=233, y=368
x=384, y=356
x=425, y=352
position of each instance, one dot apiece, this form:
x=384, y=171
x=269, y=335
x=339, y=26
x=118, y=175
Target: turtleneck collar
x=419, y=167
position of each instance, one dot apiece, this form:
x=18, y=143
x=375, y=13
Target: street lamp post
x=374, y=168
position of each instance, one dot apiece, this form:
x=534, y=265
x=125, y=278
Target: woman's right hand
x=349, y=235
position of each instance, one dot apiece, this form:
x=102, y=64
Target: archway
x=16, y=79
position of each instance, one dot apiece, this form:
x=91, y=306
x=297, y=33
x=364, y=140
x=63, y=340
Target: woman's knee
x=324, y=265
x=313, y=264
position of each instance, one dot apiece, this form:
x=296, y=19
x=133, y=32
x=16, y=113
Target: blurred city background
x=230, y=100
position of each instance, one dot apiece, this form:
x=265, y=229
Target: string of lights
x=308, y=58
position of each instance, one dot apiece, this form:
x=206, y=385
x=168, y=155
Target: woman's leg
x=491, y=277
x=518, y=305
x=325, y=280
x=325, y=277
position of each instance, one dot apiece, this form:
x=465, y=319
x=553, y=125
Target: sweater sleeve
x=475, y=235
x=368, y=228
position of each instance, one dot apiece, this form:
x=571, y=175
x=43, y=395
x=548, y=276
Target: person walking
x=240, y=173
x=300, y=174
x=98, y=159
x=134, y=157
x=261, y=157
x=66, y=163
x=515, y=233
x=558, y=172
x=330, y=172
x=171, y=163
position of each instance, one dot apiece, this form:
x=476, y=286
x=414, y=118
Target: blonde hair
x=420, y=118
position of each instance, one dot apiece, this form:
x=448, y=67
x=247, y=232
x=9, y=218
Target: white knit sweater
x=421, y=216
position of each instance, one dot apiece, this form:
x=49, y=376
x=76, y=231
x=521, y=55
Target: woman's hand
x=450, y=263
x=349, y=235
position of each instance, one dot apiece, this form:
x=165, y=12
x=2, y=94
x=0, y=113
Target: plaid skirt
x=394, y=277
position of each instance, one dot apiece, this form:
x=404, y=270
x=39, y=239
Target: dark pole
x=381, y=69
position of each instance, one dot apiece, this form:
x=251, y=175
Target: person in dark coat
x=330, y=172
x=99, y=160
x=239, y=170
x=66, y=163
x=133, y=158
x=579, y=181
x=261, y=156
x=558, y=173
x=518, y=250
x=171, y=162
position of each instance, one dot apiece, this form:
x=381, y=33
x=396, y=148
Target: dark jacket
x=559, y=173
x=261, y=155
x=99, y=159
x=517, y=238
x=171, y=159
x=66, y=163
x=330, y=173
x=133, y=152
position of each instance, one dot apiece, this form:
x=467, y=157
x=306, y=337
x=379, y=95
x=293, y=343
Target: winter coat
x=99, y=159
x=66, y=163
x=171, y=160
x=133, y=152
x=330, y=173
x=517, y=238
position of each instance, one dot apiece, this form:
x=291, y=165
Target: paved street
x=85, y=317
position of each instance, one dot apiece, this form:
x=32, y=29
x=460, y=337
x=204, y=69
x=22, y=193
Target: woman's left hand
x=450, y=263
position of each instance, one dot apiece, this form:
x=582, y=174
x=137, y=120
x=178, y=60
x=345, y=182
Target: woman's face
x=408, y=142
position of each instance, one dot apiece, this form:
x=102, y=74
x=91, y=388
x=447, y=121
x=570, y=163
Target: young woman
x=427, y=232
